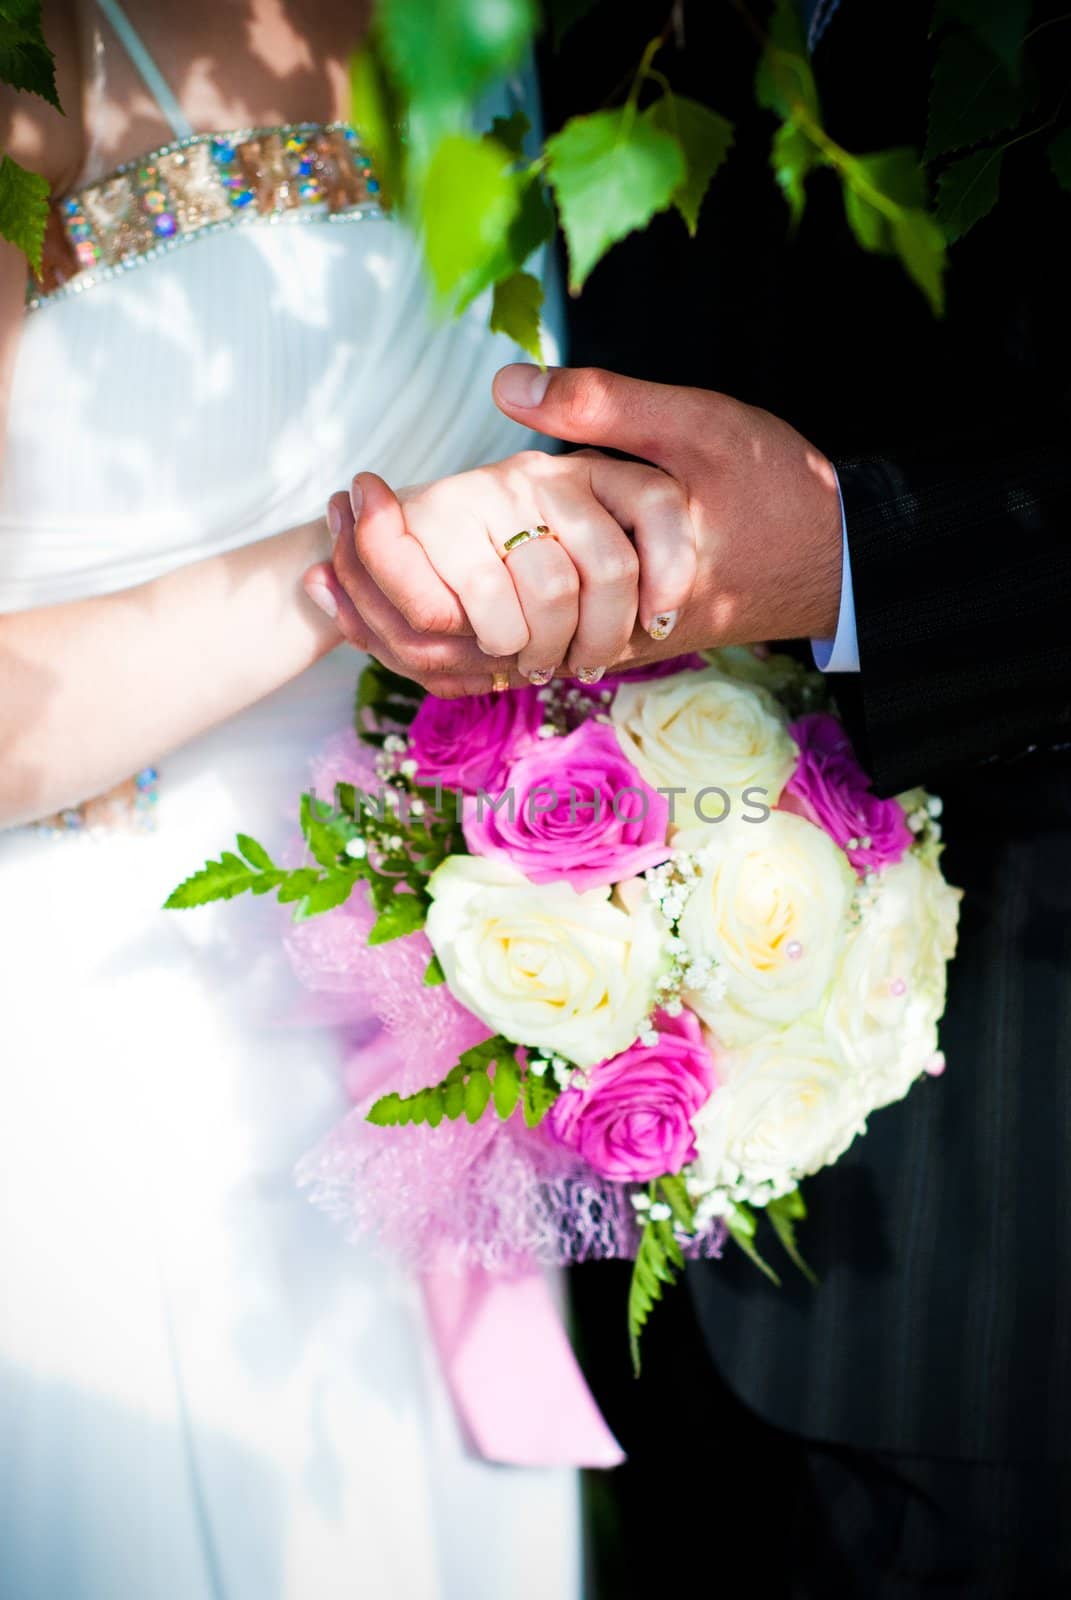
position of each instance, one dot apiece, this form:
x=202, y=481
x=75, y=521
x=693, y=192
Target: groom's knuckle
x=424, y=615
x=439, y=655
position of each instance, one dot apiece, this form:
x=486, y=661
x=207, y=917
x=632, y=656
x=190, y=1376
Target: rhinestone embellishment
x=129, y=808
x=300, y=172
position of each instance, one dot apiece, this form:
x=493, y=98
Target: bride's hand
x=431, y=566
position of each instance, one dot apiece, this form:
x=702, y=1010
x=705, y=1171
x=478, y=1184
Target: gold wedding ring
x=499, y=682
x=515, y=540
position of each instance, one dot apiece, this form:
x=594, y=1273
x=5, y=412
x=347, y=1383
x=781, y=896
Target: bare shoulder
x=34, y=133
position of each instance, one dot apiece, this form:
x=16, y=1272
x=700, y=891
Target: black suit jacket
x=942, y=1322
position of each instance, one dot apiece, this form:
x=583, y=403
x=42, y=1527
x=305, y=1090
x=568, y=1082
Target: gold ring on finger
x=525, y=536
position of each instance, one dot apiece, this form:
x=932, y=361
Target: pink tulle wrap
x=497, y=1196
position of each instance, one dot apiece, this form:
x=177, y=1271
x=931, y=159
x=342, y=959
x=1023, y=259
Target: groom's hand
x=763, y=500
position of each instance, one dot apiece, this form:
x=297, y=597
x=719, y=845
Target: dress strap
x=152, y=77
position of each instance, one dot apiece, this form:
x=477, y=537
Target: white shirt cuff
x=841, y=653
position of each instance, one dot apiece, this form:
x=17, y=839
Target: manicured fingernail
x=321, y=596
x=356, y=501
x=662, y=626
x=540, y=675
x=334, y=520
x=522, y=385
x=590, y=674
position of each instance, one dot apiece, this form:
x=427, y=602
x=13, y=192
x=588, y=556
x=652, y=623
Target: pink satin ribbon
x=511, y=1371
x=515, y=1383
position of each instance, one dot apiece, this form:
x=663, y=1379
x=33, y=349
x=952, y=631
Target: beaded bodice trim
x=301, y=172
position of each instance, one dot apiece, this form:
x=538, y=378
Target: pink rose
x=830, y=788
x=658, y=669
x=575, y=808
x=470, y=743
x=634, y=1121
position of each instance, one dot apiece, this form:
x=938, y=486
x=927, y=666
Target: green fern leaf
x=507, y=1083
x=325, y=894
x=675, y=1193
x=220, y=880
x=255, y=853
x=467, y=1089
x=539, y=1095
x=784, y=1214
x=657, y=1261
x=403, y=914
x=742, y=1226
x=477, y=1094
x=297, y=884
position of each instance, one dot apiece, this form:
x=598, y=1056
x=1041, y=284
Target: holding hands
x=570, y=564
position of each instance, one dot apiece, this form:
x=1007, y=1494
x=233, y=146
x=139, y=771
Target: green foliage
x=967, y=190
x=530, y=224
x=658, y=1260
x=517, y=304
x=705, y=139
x=223, y=880
x=441, y=58
x=511, y=132
x=445, y=55
x=565, y=14
x=610, y=172
x=358, y=839
x=482, y=204
x=884, y=201
x=384, y=697
x=311, y=889
x=471, y=200
x=793, y=157
x=1060, y=158
x=743, y=1226
x=975, y=96
x=884, y=193
x=433, y=973
x=404, y=913
x=480, y=217
x=23, y=209
x=507, y=1084
x=488, y=1074
x=26, y=62
x=784, y=1213
x=997, y=24
x=538, y=1095
x=784, y=81
x=376, y=109
x=674, y=1192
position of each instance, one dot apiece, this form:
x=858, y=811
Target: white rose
x=787, y=1106
x=700, y=730
x=571, y=973
x=889, y=993
x=770, y=906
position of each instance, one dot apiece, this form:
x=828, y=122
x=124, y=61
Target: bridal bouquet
x=645, y=956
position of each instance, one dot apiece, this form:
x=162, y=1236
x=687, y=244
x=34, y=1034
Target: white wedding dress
x=206, y=1392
